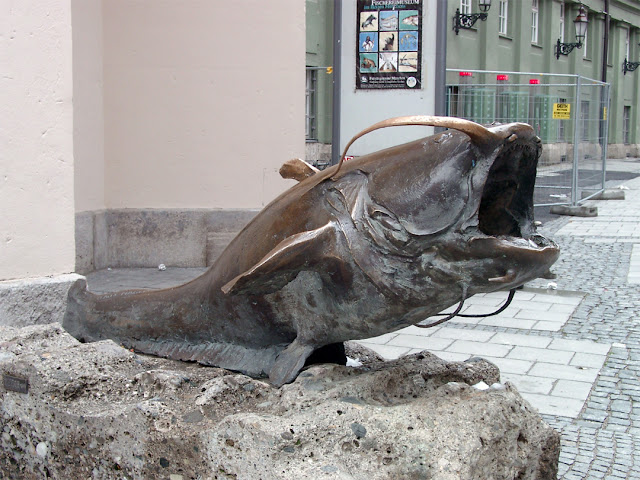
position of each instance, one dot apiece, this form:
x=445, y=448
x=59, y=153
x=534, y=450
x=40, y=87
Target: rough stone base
x=99, y=411
x=34, y=301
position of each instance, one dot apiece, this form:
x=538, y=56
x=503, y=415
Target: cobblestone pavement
x=573, y=352
x=603, y=442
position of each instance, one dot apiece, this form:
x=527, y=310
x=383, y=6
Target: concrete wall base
x=620, y=150
x=130, y=238
x=34, y=301
x=317, y=154
x=554, y=153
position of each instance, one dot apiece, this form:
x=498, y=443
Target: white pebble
x=42, y=449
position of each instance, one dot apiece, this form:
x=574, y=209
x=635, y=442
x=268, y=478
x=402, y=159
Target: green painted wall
x=319, y=34
x=483, y=48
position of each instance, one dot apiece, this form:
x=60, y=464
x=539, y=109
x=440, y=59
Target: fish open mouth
x=506, y=206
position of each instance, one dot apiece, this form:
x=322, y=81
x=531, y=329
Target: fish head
x=468, y=199
x=498, y=226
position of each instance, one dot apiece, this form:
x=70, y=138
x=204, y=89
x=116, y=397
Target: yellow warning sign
x=562, y=111
x=604, y=113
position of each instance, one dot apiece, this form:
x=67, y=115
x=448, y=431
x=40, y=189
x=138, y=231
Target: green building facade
x=517, y=36
x=521, y=36
x=319, y=70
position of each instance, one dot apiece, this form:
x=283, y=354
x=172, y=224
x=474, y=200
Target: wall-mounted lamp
x=629, y=66
x=580, y=23
x=463, y=20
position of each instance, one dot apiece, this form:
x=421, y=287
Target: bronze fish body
x=360, y=249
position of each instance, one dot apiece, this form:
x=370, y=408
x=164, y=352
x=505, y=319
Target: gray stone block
x=100, y=240
x=229, y=220
x=146, y=238
x=216, y=243
x=34, y=301
x=84, y=242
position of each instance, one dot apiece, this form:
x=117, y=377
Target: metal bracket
x=566, y=48
x=466, y=21
x=629, y=66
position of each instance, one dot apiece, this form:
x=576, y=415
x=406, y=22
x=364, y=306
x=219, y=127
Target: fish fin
x=285, y=261
x=297, y=169
x=255, y=362
x=289, y=363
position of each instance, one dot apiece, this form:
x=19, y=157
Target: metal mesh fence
x=568, y=113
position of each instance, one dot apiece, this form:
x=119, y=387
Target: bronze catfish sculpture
x=360, y=249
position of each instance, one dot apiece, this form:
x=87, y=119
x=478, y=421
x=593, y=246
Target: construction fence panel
x=568, y=113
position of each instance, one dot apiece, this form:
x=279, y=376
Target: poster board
x=388, y=44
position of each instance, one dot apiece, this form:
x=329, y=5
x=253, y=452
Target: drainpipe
x=337, y=72
x=605, y=51
x=441, y=60
x=604, y=103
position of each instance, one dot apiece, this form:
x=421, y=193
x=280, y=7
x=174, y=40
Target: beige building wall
x=203, y=101
x=36, y=142
x=88, y=110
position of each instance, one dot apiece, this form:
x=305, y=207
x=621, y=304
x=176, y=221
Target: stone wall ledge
x=35, y=301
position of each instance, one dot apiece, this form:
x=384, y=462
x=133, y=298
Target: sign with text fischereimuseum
x=389, y=44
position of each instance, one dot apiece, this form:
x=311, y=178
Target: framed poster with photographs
x=389, y=44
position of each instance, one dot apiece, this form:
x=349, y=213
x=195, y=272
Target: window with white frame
x=627, y=44
x=561, y=124
x=626, y=125
x=503, y=17
x=534, y=21
x=562, y=22
x=311, y=127
x=465, y=7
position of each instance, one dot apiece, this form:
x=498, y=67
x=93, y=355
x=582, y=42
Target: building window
x=562, y=22
x=627, y=43
x=626, y=125
x=503, y=17
x=585, y=44
x=584, y=117
x=465, y=7
x=503, y=99
x=561, y=129
x=534, y=21
x=311, y=106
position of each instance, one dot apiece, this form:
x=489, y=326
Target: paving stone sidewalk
x=572, y=347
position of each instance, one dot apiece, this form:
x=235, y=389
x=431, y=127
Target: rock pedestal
x=99, y=411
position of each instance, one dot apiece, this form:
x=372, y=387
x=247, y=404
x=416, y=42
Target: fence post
x=576, y=143
x=606, y=90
